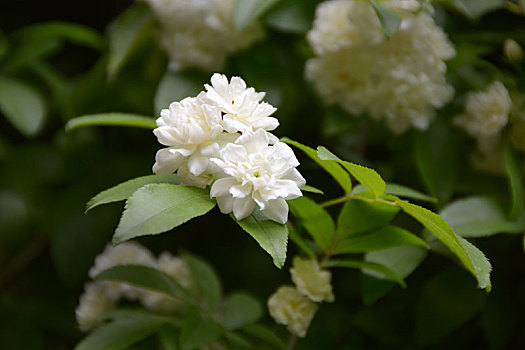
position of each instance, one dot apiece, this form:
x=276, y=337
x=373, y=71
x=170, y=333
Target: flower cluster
x=400, y=79
x=200, y=33
x=220, y=138
x=100, y=297
x=296, y=307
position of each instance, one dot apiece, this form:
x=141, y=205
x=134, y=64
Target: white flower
x=311, y=281
x=127, y=253
x=401, y=79
x=200, y=33
x=486, y=112
x=242, y=107
x=192, y=130
x=289, y=307
x=177, y=268
x=257, y=173
x=93, y=303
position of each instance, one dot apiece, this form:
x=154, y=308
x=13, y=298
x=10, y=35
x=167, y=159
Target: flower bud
x=512, y=51
x=311, y=280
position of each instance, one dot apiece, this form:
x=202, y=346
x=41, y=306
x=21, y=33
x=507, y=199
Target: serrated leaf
x=442, y=230
x=124, y=190
x=240, y=309
x=265, y=334
x=206, y=279
x=377, y=268
x=514, y=172
x=271, y=236
x=399, y=190
x=402, y=260
x=386, y=237
x=480, y=216
x=434, y=148
x=357, y=217
x=330, y=167
x=158, y=208
x=315, y=220
x=390, y=19
x=198, y=330
x=311, y=189
x=111, y=119
x=480, y=262
x=124, y=35
x=247, y=11
x=120, y=334
x=475, y=9
x=175, y=87
x=72, y=32
x=148, y=278
x=22, y=105
x=447, y=301
x=366, y=176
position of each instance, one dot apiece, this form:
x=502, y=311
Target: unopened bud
x=512, y=50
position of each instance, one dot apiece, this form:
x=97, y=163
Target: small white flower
x=242, y=107
x=257, y=173
x=289, y=307
x=192, y=130
x=486, y=112
x=311, y=280
x=93, y=303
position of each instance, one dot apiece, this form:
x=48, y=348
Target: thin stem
x=292, y=341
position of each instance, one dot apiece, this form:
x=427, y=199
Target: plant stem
x=292, y=341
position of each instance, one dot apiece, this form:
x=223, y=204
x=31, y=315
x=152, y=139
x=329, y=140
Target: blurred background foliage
x=58, y=60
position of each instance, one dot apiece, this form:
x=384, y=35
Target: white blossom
x=401, y=79
x=192, y=130
x=486, y=112
x=257, y=173
x=311, y=281
x=242, y=108
x=200, y=33
x=93, y=303
x=289, y=307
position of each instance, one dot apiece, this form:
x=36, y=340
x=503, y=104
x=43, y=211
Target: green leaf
x=377, y=268
x=265, y=334
x=169, y=338
x=357, y=217
x=158, y=208
x=475, y=9
x=240, y=309
x=28, y=53
x=301, y=244
x=399, y=190
x=311, y=189
x=72, y=32
x=248, y=11
x=175, y=87
x=120, y=334
x=315, y=220
x=330, y=167
x=292, y=17
x=148, y=278
x=206, y=279
x=438, y=160
x=22, y=105
x=514, y=172
x=198, y=330
x=481, y=263
x=441, y=229
x=480, y=216
x=366, y=176
x=386, y=237
x=271, y=236
x=447, y=301
x=113, y=119
x=390, y=19
x=403, y=260
x=124, y=190
x=125, y=33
